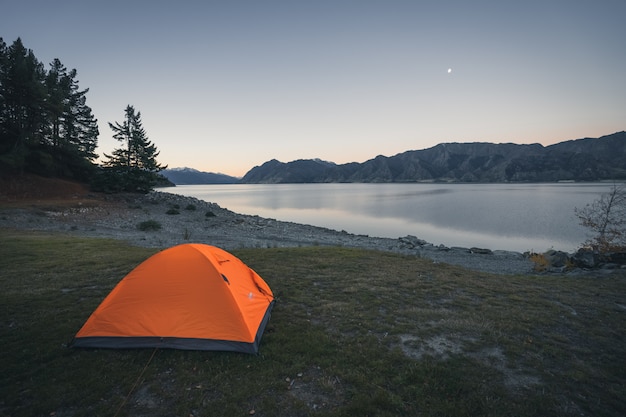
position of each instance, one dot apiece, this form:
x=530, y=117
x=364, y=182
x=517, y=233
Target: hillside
x=588, y=159
x=30, y=189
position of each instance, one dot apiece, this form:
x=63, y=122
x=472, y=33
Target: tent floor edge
x=113, y=342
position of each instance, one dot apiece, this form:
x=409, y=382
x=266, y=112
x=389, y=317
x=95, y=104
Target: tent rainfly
x=191, y=297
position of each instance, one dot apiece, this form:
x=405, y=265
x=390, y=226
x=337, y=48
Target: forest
x=47, y=128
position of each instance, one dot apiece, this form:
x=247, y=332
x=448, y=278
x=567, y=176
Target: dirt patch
x=438, y=346
x=442, y=347
x=32, y=190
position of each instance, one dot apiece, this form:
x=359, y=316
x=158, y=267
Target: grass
x=353, y=332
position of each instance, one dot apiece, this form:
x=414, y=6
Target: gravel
x=186, y=219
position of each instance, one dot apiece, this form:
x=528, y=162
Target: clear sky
x=223, y=86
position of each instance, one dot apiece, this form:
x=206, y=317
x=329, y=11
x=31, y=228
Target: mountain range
x=588, y=159
x=189, y=176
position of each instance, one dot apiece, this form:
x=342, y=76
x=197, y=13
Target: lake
x=517, y=217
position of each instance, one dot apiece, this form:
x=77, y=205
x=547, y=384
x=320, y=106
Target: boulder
x=586, y=258
x=481, y=251
x=412, y=241
x=557, y=258
x=618, y=258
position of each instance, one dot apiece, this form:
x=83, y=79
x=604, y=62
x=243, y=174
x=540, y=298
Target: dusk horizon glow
x=226, y=86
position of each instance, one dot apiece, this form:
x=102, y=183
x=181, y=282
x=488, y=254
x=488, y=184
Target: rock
x=481, y=251
x=556, y=259
x=589, y=258
x=618, y=258
x=510, y=254
x=412, y=241
x=586, y=258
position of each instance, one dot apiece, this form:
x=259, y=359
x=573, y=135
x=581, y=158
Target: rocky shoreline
x=170, y=219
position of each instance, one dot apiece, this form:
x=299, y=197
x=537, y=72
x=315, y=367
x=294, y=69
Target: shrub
x=172, y=211
x=149, y=225
x=190, y=207
x=540, y=261
x=209, y=214
x=606, y=218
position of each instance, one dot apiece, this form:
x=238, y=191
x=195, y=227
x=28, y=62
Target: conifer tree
x=23, y=97
x=46, y=126
x=4, y=64
x=72, y=128
x=132, y=167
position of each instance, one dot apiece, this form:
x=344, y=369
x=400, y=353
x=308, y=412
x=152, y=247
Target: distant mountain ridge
x=588, y=159
x=189, y=176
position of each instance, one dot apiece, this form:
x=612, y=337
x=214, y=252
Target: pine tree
x=133, y=167
x=23, y=97
x=72, y=129
x=4, y=65
x=46, y=126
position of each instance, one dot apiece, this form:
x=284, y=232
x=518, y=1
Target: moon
x=449, y=70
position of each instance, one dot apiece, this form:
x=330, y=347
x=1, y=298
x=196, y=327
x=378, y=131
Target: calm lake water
x=517, y=217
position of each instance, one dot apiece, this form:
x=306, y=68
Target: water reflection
x=497, y=216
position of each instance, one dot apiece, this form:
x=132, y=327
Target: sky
x=223, y=86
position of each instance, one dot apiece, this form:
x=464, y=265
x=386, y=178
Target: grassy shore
x=354, y=332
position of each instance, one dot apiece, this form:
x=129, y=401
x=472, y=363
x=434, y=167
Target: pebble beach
x=160, y=220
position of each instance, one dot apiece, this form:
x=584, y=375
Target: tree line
x=47, y=128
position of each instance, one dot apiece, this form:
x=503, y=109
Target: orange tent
x=191, y=296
